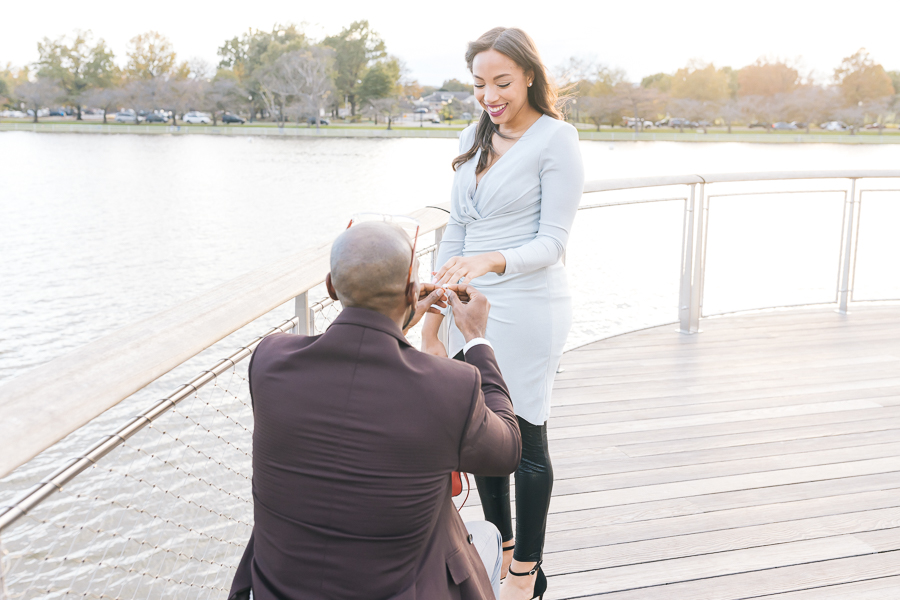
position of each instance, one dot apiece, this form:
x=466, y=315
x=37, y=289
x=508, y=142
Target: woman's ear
x=330, y=287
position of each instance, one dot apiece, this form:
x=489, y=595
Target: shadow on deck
x=760, y=458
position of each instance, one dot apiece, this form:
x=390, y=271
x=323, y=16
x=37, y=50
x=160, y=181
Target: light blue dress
x=524, y=208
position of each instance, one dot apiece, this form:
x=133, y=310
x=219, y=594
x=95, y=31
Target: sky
x=431, y=37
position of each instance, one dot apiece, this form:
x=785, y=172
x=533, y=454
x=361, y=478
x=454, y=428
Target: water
x=98, y=231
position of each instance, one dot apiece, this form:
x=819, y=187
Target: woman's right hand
x=432, y=345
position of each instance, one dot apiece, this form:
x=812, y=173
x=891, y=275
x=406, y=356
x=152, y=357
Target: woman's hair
x=543, y=95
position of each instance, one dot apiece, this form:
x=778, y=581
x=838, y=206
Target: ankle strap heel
x=540, y=583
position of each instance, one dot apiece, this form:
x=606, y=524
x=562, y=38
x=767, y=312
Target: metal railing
x=180, y=469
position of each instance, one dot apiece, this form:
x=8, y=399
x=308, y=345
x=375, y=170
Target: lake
x=99, y=230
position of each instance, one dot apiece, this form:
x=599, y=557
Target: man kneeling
x=356, y=434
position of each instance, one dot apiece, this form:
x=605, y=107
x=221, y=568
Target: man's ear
x=412, y=294
x=330, y=287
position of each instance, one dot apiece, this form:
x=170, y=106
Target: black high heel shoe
x=540, y=584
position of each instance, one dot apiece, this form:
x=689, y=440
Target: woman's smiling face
x=501, y=86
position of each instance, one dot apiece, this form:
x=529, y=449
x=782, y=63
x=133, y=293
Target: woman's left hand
x=467, y=268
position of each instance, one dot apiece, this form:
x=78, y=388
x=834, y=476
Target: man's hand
x=428, y=294
x=471, y=317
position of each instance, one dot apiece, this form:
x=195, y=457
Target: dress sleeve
x=455, y=233
x=562, y=183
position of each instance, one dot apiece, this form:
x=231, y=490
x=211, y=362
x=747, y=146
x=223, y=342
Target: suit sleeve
x=491, y=443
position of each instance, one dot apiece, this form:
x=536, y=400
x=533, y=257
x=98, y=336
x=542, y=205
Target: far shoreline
x=890, y=136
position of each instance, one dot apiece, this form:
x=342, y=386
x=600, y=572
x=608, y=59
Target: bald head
x=369, y=265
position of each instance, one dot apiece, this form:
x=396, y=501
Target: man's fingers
x=453, y=300
x=433, y=310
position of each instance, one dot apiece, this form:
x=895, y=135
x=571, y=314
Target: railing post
x=444, y=331
x=693, y=255
x=848, y=253
x=304, y=314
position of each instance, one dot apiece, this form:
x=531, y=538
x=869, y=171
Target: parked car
x=420, y=111
x=195, y=117
x=56, y=112
x=42, y=112
x=435, y=119
x=662, y=123
x=783, y=126
x=12, y=114
x=126, y=116
x=834, y=126
x=156, y=118
x=682, y=123
x=630, y=121
x=799, y=124
x=322, y=121
x=760, y=124
x=230, y=118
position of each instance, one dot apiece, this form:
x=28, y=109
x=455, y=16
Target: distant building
x=435, y=101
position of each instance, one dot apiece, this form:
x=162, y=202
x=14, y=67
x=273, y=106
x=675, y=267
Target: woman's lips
x=496, y=111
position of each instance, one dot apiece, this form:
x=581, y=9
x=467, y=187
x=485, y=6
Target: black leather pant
x=534, y=483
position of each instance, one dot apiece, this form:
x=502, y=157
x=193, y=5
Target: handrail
x=44, y=405
x=47, y=403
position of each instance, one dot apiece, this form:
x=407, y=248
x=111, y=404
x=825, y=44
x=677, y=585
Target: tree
x=640, y=102
x=701, y=82
x=454, y=85
x=106, y=99
x=222, y=94
x=77, y=65
x=862, y=80
x=810, y=104
x=380, y=81
x=356, y=47
x=767, y=79
x=730, y=111
x=39, y=94
x=607, y=108
x=150, y=55
x=658, y=81
x=179, y=96
x=301, y=79
x=250, y=56
x=387, y=107
x=696, y=110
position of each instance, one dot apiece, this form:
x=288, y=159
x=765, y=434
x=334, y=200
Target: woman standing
x=518, y=183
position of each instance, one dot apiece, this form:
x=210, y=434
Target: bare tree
x=730, y=111
x=642, y=103
x=301, y=77
x=387, y=107
x=219, y=95
x=181, y=95
x=106, y=99
x=607, y=108
x=39, y=94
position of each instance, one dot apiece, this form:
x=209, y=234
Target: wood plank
x=629, y=478
x=698, y=487
x=810, y=433
x=587, y=536
x=686, y=406
x=760, y=583
x=882, y=588
x=581, y=466
x=778, y=428
x=620, y=474
x=668, y=572
x=673, y=546
x=708, y=419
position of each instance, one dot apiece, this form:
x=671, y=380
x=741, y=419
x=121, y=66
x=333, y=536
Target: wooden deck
x=758, y=459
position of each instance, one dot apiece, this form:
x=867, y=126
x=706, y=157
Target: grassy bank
x=889, y=136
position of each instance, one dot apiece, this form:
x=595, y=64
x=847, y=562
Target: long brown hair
x=543, y=95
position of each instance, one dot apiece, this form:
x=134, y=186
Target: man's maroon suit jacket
x=355, y=436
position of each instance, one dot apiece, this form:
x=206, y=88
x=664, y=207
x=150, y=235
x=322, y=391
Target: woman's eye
x=503, y=85
x=479, y=86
